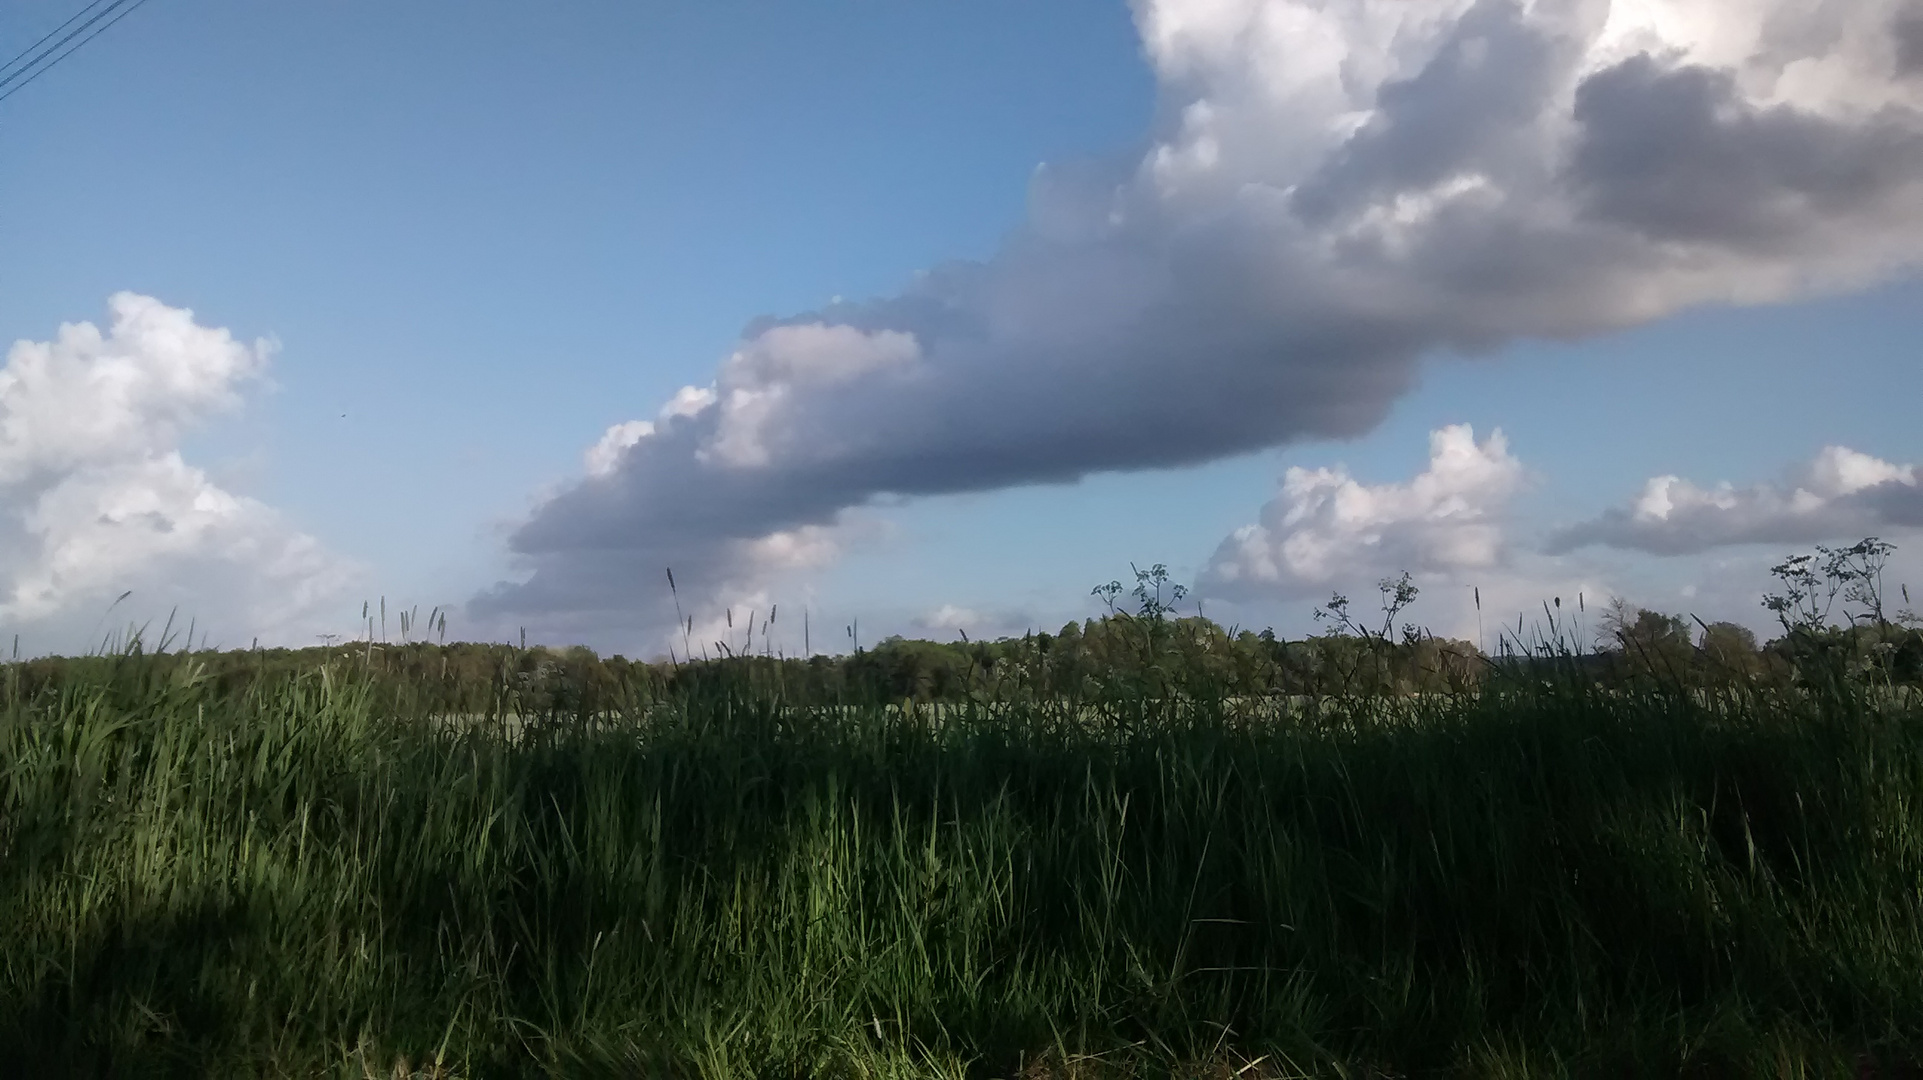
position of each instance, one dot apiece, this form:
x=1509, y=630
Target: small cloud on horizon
x=1841, y=494
x=1327, y=527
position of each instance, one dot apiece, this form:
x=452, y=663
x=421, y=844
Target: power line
x=76, y=16
x=82, y=28
x=126, y=8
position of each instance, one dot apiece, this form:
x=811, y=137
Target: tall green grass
x=297, y=875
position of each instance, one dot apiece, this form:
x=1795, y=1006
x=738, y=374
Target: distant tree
x=1730, y=651
x=1613, y=623
x=1654, y=644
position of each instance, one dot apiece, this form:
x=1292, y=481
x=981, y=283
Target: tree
x=1656, y=644
x=1729, y=650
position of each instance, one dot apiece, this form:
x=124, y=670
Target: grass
x=301, y=875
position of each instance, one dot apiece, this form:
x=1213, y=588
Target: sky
x=935, y=315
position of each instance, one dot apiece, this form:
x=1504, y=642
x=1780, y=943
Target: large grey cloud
x=1332, y=190
x=1678, y=154
x=1906, y=29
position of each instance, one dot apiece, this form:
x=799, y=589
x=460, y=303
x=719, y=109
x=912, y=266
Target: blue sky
x=483, y=233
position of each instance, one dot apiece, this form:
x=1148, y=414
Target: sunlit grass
x=303, y=874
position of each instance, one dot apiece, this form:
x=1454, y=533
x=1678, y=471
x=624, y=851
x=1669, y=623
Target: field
x=328, y=866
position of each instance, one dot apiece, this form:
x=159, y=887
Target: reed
x=300, y=874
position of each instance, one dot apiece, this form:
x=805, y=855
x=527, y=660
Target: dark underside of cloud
x=1695, y=531
x=1864, y=497
x=1256, y=276
x=1675, y=154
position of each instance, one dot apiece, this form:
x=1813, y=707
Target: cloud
x=1331, y=191
x=950, y=621
x=1839, y=494
x=1447, y=526
x=96, y=500
x=604, y=457
x=1325, y=527
x=1906, y=31
x=1678, y=153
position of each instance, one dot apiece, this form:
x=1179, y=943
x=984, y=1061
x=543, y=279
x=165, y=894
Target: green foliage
x=1868, y=645
x=301, y=867
x=1142, y=845
x=1812, y=585
x=1651, y=645
x=1729, y=653
x=1397, y=595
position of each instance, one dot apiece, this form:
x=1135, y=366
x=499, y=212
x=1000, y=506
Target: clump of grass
x=300, y=873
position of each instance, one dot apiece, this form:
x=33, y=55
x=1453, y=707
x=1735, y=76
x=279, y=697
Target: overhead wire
x=37, y=69
x=49, y=35
x=28, y=66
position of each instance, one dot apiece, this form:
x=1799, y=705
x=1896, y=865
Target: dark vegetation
x=1142, y=846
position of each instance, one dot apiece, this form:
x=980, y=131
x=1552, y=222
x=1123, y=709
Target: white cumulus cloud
x=1326, y=527
x=96, y=500
x=604, y=456
x=1839, y=494
x=950, y=620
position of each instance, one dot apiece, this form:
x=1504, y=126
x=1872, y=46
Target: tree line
x=1837, y=623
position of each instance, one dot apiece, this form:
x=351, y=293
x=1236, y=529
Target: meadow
x=484, y=861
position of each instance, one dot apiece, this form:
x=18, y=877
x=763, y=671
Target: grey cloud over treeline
x=1841, y=494
x=1330, y=192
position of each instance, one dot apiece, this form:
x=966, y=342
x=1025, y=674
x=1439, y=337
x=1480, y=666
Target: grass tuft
x=304, y=873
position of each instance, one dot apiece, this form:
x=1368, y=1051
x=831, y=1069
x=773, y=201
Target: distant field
x=311, y=871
